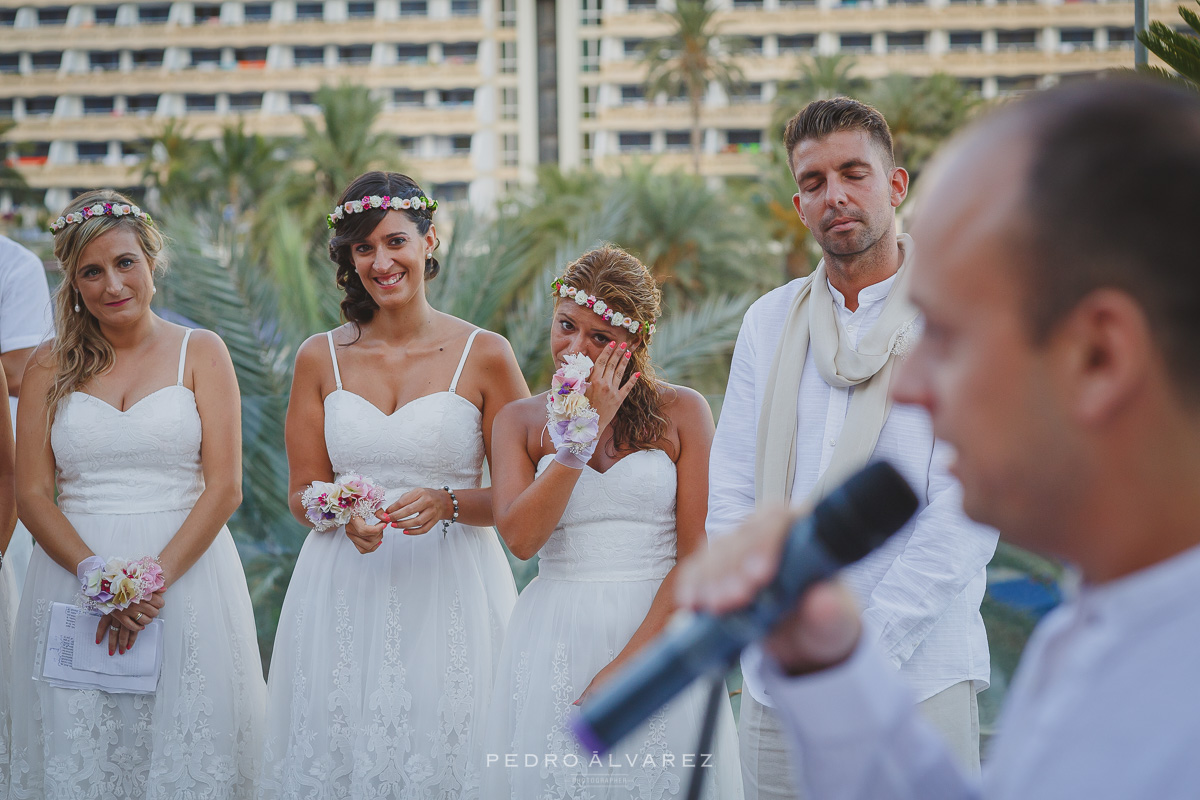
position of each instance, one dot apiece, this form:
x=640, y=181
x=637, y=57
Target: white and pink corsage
x=117, y=583
x=331, y=505
x=573, y=424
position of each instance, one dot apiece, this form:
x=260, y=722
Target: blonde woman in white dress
x=129, y=444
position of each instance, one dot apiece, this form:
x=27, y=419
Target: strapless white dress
x=127, y=480
x=8, y=613
x=597, y=576
x=383, y=662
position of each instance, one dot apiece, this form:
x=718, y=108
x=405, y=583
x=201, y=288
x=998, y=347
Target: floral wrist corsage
x=573, y=424
x=117, y=583
x=331, y=505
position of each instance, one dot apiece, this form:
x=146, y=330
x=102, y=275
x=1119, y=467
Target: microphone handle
x=703, y=643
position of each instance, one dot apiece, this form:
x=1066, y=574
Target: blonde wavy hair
x=627, y=286
x=80, y=352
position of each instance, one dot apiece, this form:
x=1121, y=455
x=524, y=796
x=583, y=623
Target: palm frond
x=687, y=344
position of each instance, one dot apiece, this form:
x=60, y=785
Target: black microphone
x=852, y=521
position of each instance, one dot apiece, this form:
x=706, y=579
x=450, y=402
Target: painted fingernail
x=628, y=354
x=384, y=515
x=110, y=651
x=622, y=345
x=637, y=374
x=612, y=344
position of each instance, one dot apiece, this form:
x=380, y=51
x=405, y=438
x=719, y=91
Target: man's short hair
x=820, y=118
x=1112, y=200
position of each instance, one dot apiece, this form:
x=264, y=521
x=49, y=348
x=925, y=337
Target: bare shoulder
x=526, y=412
x=207, y=345
x=313, y=352
x=684, y=405
x=491, y=349
x=42, y=362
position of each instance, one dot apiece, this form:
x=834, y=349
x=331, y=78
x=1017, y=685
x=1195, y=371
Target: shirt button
x=832, y=441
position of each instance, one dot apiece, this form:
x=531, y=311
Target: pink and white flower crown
x=100, y=210
x=373, y=201
x=615, y=318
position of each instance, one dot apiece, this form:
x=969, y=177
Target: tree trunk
x=694, y=101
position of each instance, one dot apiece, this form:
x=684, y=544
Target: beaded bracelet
x=446, y=523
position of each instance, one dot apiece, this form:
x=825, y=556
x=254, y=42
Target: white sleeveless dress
x=127, y=480
x=383, y=662
x=597, y=576
x=8, y=613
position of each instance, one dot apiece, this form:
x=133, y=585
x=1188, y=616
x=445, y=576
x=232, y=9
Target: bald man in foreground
x=1060, y=285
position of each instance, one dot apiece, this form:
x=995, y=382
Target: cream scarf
x=812, y=323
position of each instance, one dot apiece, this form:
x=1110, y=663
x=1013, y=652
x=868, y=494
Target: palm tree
x=241, y=168
x=1180, y=50
x=11, y=180
x=689, y=58
x=921, y=112
x=344, y=145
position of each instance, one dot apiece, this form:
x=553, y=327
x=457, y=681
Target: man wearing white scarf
x=807, y=404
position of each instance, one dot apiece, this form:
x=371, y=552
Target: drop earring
x=76, y=304
x=153, y=290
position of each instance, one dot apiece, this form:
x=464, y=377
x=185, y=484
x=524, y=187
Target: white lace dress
x=383, y=663
x=597, y=576
x=8, y=613
x=126, y=481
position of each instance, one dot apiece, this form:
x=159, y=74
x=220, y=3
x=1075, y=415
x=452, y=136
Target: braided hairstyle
x=627, y=286
x=357, y=305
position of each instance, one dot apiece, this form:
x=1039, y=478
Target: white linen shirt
x=1102, y=707
x=921, y=590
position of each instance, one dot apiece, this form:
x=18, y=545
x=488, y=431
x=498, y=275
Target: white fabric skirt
x=383, y=666
x=197, y=736
x=8, y=614
x=562, y=633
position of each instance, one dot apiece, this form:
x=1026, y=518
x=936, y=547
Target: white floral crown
x=100, y=210
x=615, y=318
x=369, y=202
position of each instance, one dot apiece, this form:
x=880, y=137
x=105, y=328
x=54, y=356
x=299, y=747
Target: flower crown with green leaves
x=100, y=210
x=371, y=202
x=615, y=318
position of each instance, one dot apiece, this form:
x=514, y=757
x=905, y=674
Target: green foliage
x=10, y=179
x=689, y=58
x=1180, y=50
x=921, y=112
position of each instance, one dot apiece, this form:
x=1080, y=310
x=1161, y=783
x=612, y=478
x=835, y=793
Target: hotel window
x=10, y=62
x=310, y=11
x=456, y=97
x=206, y=59
x=147, y=59
x=1121, y=37
x=257, y=12
x=744, y=141
x=312, y=56
x=797, y=43
x=748, y=4
x=8, y=17
x=91, y=152
x=855, y=42
x=450, y=192
x=104, y=60
x=508, y=13
x=633, y=47
x=1016, y=84
x=631, y=142
x=52, y=16
x=6, y=107
x=141, y=104
x=200, y=102
x=508, y=57
x=590, y=12
x=361, y=10
x=46, y=61
x=354, y=54
x=99, y=105
x=588, y=101
x=105, y=15
x=1077, y=38
x=633, y=94
x=678, y=141
x=245, y=101
x=408, y=98
x=203, y=14
x=907, y=41
x=156, y=14
x=302, y=103
x=407, y=145
x=412, y=53
x=1016, y=40
x=966, y=41
x=747, y=93
x=642, y=5
x=508, y=103
x=510, y=150
x=250, y=57
x=589, y=55
x=39, y=106
x=461, y=52
x=460, y=144
x=414, y=8
x=464, y=8
x=754, y=45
